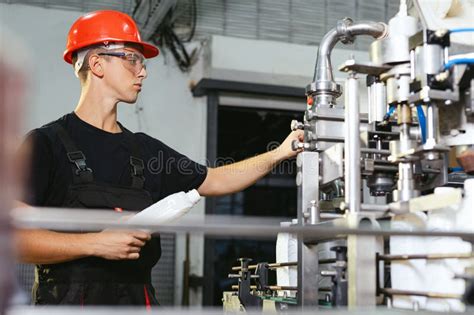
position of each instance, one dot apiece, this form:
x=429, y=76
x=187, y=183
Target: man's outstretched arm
x=238, y=176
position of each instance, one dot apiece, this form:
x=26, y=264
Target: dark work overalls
x=93, y=280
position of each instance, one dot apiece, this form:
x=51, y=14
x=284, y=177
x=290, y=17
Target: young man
x=87, y=159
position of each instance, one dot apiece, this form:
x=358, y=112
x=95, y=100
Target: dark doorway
x=243, y=133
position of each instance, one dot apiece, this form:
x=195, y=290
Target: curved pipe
x=377, y=30
x=323, y=68
x=345, y=32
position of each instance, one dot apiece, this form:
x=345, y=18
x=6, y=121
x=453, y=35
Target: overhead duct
x=125, y=6
x=150, y=14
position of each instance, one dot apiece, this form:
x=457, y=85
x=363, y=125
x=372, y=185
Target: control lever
x=295, y=125
x=296, y=145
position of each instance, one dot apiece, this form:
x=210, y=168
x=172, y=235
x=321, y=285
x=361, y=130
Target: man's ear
x=96, y=66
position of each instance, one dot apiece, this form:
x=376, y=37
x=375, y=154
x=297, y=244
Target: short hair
x=84, y=71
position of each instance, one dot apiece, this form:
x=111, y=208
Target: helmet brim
x=149, y=51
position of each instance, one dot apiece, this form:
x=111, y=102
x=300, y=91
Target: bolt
x=442, y=76
x=295, y=125
x=441, y=32
x=454, y=132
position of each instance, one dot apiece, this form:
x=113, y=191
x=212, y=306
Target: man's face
x=124, y=72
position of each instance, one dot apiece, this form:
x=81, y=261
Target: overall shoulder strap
x=137, y=165
x=82, y=173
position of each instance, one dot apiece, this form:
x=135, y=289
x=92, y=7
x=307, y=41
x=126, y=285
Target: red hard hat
x=105, y=26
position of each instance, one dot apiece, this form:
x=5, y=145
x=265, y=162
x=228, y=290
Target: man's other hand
x=118, y=244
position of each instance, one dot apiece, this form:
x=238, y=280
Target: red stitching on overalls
x=147, y=299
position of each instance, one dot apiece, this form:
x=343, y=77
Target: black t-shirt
x=108, y=155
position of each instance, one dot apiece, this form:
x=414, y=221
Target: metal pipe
x=377, y=30
x=431, y=124
x=329, y=139
x=324, y=88
x=270, y=287
x=284, y=264
x=428, y=257
x=432, y=295
x=212, y=225
x=406, y=183
x=323, y=67
x=314, y=217
x=347, y=156
x=344, y=31
x=369, y=207
x=270, y=266
x=352, y=164
x=375, y=151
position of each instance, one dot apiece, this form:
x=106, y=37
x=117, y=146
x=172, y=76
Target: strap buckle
x=137, y=166
x=78, y=158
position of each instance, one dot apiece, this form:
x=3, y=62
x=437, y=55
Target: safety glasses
x=134, y=62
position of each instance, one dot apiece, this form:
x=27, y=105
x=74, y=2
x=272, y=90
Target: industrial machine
x=394, y=167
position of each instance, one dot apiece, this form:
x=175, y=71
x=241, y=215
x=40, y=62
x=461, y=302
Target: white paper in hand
x=167, y=209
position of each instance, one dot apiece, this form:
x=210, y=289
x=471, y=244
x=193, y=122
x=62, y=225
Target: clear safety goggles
x=133, y=61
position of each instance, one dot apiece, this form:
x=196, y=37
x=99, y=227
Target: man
x=87, y=159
